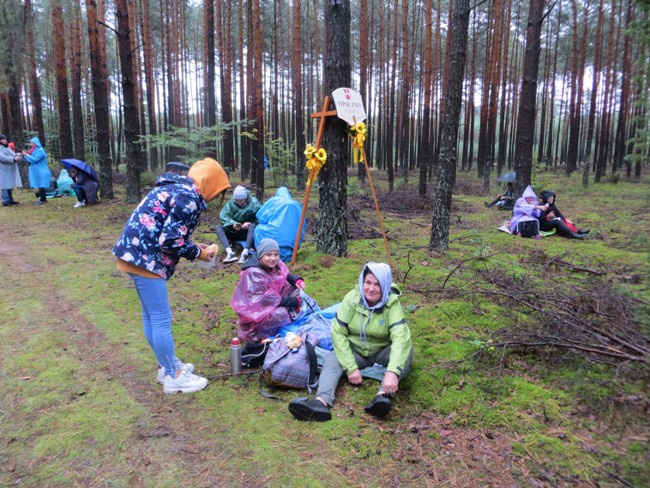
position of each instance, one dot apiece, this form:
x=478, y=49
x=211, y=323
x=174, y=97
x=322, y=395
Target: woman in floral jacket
x=156, y=236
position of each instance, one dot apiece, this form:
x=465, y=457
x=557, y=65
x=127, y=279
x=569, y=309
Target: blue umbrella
x=507, y=177
x=81, y=166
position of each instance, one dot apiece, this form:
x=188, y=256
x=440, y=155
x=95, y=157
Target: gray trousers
x=332, y=371
x=227, y=235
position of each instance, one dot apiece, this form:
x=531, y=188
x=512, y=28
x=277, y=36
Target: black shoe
x=309, y=410
x=584, y=232
x=487, y=204
x=6, y=204
x=40, y=202
x=15, y=203
x=379, y=406
x=575, y=235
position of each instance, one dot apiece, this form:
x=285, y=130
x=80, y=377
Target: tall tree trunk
x=404, y=112
x=75, y=77
x=150, y=82
x=100, y=98
x=296, y=81
x=591, y=121
x=364, y=68
x=333, y=223
x=448, y=138
x=526, y=119
x=624, y=104
x=225, y=49
x=258, y=103
x=63, y=99
x=34, y=85
x=425, y=154
x=131, y=125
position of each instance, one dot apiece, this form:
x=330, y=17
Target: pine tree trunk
x=425, y=155
x=258, y=103
x=100, y=99
x=448, y=138
x=34, y=85
x=75, y=77
x=296, y=82
x=526, y=118
x=62, y=96
x=149, y=60
x=131, y=126
x=333, y=223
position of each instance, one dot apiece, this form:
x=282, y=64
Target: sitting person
x=267, y=296
x=238, y=222
x=369, y=328
x=84, y=187
x=64, y=184
x=504, y=201
x=525, y=215
x=551, y=218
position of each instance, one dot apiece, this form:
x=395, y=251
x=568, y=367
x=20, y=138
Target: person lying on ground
x=504, y=201
x=525, y=215
x=267, y=295
x=551, y=218
x=159, y=233
x=238, y=223
x=369, y=328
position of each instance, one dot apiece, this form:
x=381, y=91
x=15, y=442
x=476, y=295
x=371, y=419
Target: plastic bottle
x=235, y=356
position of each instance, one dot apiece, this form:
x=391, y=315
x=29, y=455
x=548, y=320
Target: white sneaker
x=185, y=383
x=230, y=257
x=189, y=367
x=244, y=257
x=79, y=204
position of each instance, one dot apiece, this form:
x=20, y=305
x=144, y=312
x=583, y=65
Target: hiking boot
x=231, y=257
x=379, y=406
x=487, y=204
x=584, y=232
x=185, y=383
x=244, y=257
x=189, y=367
x=309, y=410
x=14, y=202
x=79, y=204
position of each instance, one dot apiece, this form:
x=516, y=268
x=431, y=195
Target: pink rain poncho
x=256, y=301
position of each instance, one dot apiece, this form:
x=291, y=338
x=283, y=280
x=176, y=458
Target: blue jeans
x=80, y=192
x=157, y=319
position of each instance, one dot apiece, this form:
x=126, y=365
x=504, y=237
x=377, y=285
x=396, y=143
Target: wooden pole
x=379, y=217
x=312, y=174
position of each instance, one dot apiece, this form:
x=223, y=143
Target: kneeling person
x=369, y=328
x=238, y=222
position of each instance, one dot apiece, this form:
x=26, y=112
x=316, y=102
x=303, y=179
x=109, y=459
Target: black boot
x=575, y=235
x=584, y=232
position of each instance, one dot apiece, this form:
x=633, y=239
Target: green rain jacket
x=232, y=213
x=366, y=331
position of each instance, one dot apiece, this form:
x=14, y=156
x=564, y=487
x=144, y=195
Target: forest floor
x=80, y=406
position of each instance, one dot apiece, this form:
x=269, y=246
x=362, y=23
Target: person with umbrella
x=84, y=187
x=506, y=200
x=39, y=171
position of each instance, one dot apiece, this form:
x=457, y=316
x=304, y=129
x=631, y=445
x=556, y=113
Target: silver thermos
x=235, y=356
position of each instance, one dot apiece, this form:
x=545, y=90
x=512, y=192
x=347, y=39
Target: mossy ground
x=80, y=405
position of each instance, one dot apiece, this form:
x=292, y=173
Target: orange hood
x=210, y=177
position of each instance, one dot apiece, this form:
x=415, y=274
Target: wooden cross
x=312, y=174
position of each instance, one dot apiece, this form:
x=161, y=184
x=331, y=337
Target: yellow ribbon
x=358, y=133
x=315, y=159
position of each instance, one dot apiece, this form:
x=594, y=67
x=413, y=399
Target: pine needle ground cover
x=510, y=386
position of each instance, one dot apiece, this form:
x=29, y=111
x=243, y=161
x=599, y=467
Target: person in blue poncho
x=369, y=328
x=39, y=171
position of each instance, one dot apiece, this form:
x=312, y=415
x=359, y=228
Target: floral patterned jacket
x=159, y=231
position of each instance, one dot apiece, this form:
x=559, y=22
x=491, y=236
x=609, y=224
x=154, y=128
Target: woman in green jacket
x=369, y=328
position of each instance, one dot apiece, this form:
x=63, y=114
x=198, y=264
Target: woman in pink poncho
x=267, y=296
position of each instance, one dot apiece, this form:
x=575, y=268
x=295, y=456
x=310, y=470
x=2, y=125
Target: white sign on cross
x=349, y=105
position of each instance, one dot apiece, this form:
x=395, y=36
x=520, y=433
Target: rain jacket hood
x=546, y=194
x=384, y=276
x=530, y=193
x=36, y=141
x=210, y=178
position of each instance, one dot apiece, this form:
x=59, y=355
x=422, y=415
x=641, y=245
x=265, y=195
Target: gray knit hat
x=266, y=246
x=240, y=193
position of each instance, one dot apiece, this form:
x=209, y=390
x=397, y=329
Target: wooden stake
x=379, y=217
x=312, y=174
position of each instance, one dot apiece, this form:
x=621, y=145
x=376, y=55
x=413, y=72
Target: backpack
x=528, y=228
x=253, y=354
x=291, y=368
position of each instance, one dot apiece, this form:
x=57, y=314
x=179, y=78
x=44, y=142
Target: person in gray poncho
x=8, y=170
